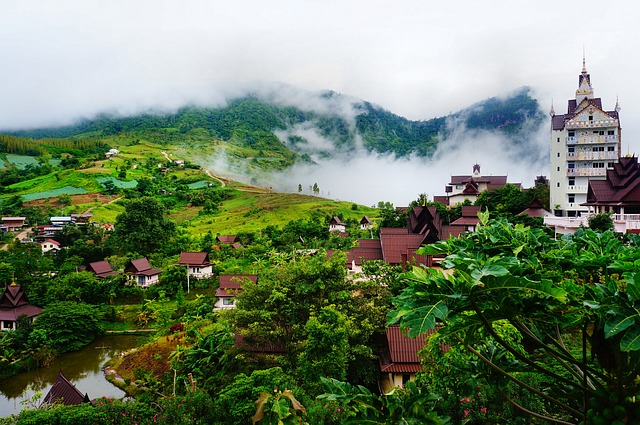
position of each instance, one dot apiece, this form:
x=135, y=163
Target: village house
x=335, y=225
x=81, y=218
x=101, y=269
x=12, y=224
x=197, y=263
x=366, y=223
x=13, y=304
x=230, y=286
x=468, y=219
x=64, y=392
x=141, y=272
x=49, y=245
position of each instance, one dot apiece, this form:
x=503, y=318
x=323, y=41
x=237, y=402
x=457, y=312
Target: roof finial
x=617, y=108
x=584, y=61
x=552, y=112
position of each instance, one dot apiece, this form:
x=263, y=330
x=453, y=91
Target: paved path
x=21, y=236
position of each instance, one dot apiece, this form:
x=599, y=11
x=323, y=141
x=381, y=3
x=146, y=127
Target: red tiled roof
x=64, y=392
x=13, y=304
x=466, y=221
x=194, y=258
x=53, y=241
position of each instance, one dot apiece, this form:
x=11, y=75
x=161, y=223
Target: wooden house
x=12, y=224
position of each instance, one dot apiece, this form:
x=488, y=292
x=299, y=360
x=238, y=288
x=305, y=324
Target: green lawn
x=21, y=161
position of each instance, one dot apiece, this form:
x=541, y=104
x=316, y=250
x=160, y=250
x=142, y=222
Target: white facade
x=584, y=144
x=200, y=272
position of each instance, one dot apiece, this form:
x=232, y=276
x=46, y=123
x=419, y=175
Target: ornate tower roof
x=584, y=91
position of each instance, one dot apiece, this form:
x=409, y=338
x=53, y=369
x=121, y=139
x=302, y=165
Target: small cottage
x=141, y=272
x=366, y=223
x=335, y=225
x=197, y=263
x=13, y=304
x=230, y=286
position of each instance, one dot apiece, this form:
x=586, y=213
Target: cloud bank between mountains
x=364, y=177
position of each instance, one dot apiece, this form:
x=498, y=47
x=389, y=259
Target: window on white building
x=571, y=197
x=611, y=132
x=611, y=148
x=598, y=165
x=572, y=181
x=227, y=301
x=571, y=149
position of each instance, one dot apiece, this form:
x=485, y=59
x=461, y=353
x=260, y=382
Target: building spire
x=585, y=91
x=552, y=112
x=617, y=108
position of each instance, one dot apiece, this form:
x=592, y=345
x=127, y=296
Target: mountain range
x=284, y=132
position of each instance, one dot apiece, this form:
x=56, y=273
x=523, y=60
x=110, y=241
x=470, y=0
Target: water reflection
x=83, y=368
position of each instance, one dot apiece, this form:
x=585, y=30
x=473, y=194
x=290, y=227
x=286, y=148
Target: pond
x=83, y=368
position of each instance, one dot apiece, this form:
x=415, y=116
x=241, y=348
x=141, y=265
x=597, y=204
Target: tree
x=64, y=199
x=574, y=305
x=68, y=325
x=601, y=222
x=142, y=227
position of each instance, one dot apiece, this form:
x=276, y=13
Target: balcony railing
x=590, y=172
x=585, y=156
x=592, y=124
x=591, y=139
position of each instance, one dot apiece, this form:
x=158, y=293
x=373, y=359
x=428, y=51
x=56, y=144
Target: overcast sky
x=68, y=58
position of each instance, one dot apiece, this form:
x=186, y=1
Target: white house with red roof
x=141, y=272
x=230, y=286
x=197, y=264
x=48, y=245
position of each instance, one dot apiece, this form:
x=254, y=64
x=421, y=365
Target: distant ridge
x=259, y=123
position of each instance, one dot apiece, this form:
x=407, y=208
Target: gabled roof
x=621, y=187
x=13, y=304
x=365, y=220
x=226, y=239
x=14, y=218
x=231, y=284
x=573, y=108
x=536, y=209
x=141, y=266
x=101, y=268
x=64, y=392
x=194, y=259
x=336, y=221
x=53, y=241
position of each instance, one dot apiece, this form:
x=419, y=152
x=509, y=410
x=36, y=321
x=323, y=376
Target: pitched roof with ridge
x=64, y=392
x=141, y=266
x=231, y=284
x=194, y=259
x=621, y=187
x=101, y=268
x=13, y=304
x=402, y=355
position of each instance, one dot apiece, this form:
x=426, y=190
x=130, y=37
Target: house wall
x=223, y=303
x=200, y=272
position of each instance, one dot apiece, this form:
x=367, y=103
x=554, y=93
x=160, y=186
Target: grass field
x=118, y=183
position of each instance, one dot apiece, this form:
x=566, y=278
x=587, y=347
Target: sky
x=75, y=58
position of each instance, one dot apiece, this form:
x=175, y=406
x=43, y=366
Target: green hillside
x=248, y=124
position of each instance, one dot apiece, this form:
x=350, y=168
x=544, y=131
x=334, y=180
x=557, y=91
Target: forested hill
x=253, y=122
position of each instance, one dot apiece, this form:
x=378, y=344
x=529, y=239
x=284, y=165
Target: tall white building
x=585, y=142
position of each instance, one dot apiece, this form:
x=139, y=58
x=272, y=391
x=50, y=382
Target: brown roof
x=466, y=221
x=558, y=121
x=13, y=304
x=621, y=187
x=231, y=284
x=365, y=220
x=470, y=211
x=141, y=266
x=64, y=392
x=336, y=220
x=226, y=239
x=402, y=356
x=194, y=258
x=101, y=268
x=14, y=218
x=367, y=250
x=399, y=246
